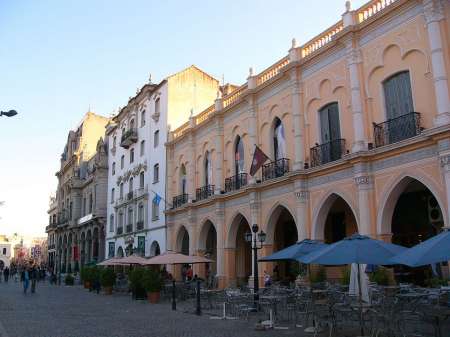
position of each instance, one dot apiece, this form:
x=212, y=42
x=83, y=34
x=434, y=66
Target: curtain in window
x=239, y=156
x=208, y=169
x=280, y=142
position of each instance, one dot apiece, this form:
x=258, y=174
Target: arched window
x=279, y=141
x=130, y=185
x=121, y=191
x=122, y=161
x=239, y=156
x=114, y=142
x=142, y=118
x=183, y=181
x=120, y=219
x=156, y=138
x=157, y=106
x=131, y=156
x=114, y=168
x=397, y=95
x=155, y=173
x=112, y=195
x=141, y=212
x=208, y=169
x=141, y=179
x=130, y=216
x=111, y=223
x=132, y=124
x=142, y=148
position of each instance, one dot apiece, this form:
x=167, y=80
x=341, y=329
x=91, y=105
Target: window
x=131, y=156
x=122, y=161
x=113, y=168
x=157, y=106
x=4, y=251
x=397, y=95
x=114, y=142
x=183, y=179
x=123, y=132
x=112, y=195
x=121, y=191
x=329, y=123
x=111, y=249
x=279, y=143
x=155, y=173
x=130, y=185
x=155, y=210
x=130, y=216
x=141, y=180
x=142, y=118
x=208, y=169
x=141, y=212
x=120, y=219
x=70, y=210
x=156, y=138
x=239, y=156
x=91, y=203
x=132, y=124
x=142, y=148
x=111, y=223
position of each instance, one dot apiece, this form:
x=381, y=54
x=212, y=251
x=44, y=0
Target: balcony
x=397, y=129
x=327, y=152
x=128, y=138
x=140, y=225
x=204, y=192
x=130, y=196
x=275, y=169
x=235, y=182
x=179, y=200
x=119, y=230
x=129, y=228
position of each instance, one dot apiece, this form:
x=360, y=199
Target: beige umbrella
x=109, y=262
x=129, y=260
x=176, y=258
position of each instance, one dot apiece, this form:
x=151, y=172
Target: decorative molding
x=362, y=180
x=302, y=196
x=445, y=161
x=433, y=10
x=354, y=56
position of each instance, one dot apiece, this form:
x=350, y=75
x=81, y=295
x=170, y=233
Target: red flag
x=259, y=158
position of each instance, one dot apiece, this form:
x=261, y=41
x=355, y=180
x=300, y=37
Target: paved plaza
x=61, y=311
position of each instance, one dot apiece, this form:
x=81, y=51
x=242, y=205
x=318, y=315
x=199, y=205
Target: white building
x=5, y=252
x=137, y=160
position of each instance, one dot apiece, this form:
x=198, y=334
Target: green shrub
x=107, y=277
x=380, y=276
x=320, y=275
x=85, y=274
x=94, y=274
x=135, y=277
x=69, y=280
x=345, y=276
x=151, y=281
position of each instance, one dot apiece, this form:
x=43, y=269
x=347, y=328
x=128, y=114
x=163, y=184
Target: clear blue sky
x=60, y=57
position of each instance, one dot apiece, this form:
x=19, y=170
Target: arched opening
x=279, y=142
x=96, y=242
x=208, y=169
x=183, y=241
x=340, y=221
x=64, y=262
x=69, y=254
x=183, y=180
x=208, y=246
x=239, y=156
x=414, y=215
x=83, y=249
x=284, y=229
x=154, y=249
x=120, y=252
x=242, y=251
x=89, y=246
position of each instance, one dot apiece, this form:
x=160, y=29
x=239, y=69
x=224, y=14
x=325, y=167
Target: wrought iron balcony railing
x=204, y=192
x=128, y=138
x=275, y=169
x=129, y=228
x=140, y=225
x=179, y=200
x=235, y=182
x=397, y=129
x=327, y=152
x=119, y=230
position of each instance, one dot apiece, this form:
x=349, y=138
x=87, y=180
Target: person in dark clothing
x=6, y=274
x=33, y=277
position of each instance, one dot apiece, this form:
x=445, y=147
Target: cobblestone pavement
x=61, y=311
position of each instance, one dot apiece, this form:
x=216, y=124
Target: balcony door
x=330, y=133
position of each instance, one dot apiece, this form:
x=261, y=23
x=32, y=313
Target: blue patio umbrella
x=294, y=251
x=354, y=249
x=433, y=250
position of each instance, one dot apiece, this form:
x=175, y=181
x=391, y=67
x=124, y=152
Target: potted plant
x=152, y=283
x=94, y=279
x=85, y=277
x=135, y=278
x=69, y=280
x=107, y=280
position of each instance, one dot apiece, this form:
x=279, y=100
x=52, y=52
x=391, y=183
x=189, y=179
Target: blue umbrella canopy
x=298, y=249
x=354, y=249
x=433, y=250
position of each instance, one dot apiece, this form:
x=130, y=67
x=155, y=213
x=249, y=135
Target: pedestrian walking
x=34, y=278
x=6, y=274
x=26, y=280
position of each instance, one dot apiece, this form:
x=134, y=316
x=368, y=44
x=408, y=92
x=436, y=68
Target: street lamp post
x=9, y=113
x=256, y=239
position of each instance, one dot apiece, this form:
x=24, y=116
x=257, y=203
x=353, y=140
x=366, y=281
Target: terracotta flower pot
x=87, y=284
x=108, y=290
x=153, y=297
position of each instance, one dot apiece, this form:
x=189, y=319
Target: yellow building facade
x=356, y=123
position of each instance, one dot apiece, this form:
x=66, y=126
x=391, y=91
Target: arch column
x=252, y=130
x=445, y=167
x=220, y=260
x=298, y=120
x=434, y=14
x=301, y=211
x=191, y=169
x=255, y=207
x=364, y=184
x=218, y=179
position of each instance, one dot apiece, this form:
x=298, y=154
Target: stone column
x=255, y=207
x=302, y=212
x=445, y=166
x=298, y=119
x=191, y=169
x=253, y=134
x=364, y=184
x=434, y=14
x=220, y=230
x=218, y=163
x=353, y=62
